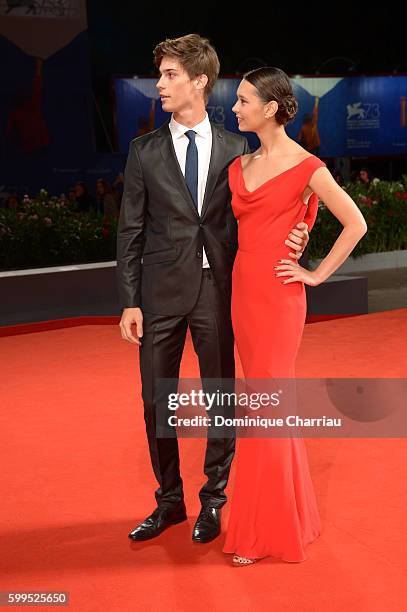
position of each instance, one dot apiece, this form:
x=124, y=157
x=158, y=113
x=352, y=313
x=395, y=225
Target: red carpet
x=77, y=478
x=29, y=328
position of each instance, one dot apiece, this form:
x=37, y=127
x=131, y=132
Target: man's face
x=177, y=90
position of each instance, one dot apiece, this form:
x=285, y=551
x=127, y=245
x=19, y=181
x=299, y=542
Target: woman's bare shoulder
x=300, y=153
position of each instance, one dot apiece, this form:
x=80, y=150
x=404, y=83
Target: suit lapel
x=171, y=163
x=215, y=165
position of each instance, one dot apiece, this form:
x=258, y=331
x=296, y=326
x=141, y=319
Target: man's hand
x=130, y=316
x=297, y=240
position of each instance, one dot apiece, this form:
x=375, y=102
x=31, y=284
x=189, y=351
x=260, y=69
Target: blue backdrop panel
x=356, y=115
x=60, y=128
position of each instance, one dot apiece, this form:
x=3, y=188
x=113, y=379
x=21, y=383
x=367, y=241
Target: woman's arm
x=348, y=214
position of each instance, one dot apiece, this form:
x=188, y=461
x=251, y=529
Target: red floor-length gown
x=273, y=508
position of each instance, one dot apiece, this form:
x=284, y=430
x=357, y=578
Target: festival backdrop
x=46, y=116
x=46, y=105
x=347, y=116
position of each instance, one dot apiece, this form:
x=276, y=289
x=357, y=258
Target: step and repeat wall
x=347, y=116
x=47, y=105
x=46, y=102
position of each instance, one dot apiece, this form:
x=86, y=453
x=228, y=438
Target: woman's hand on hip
x=295, y=273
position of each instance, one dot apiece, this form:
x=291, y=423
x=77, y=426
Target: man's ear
x=201, y=81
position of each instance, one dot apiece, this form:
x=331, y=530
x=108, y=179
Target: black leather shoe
x=207, y=526
x=158, y=521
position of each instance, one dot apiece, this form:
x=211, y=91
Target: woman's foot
x=239, y=561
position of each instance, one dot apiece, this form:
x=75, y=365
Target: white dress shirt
x=203, y=142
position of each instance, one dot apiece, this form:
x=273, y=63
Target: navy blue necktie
x=191, y=166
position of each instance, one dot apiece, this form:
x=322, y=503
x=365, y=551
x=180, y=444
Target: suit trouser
x=160, y=357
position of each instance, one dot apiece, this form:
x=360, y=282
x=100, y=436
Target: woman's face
x=79, y=190
x=364, y=176
x=251, y=112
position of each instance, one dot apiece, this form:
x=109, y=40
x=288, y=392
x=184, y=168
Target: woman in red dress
x=273, y=509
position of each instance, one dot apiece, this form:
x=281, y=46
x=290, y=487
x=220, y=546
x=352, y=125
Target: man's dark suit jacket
x=161, y=235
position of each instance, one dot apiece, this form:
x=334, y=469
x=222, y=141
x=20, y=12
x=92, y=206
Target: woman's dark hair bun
x=274, y=84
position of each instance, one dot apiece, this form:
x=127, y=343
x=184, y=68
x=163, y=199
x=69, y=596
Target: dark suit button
x=198, y=254
x=201, y=225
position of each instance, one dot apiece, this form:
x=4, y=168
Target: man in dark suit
x=177, y=239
